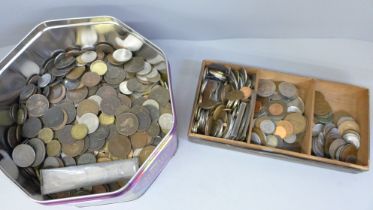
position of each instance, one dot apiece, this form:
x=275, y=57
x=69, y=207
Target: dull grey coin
x=39, y=148
x=288, y=89
x=136, y=64
x=114, y=75
x=23, y=155
x=160, y=94
x=51, y=162
x=37, y=105
x=143, y=116
x=62, y=61
x=64, y=135
x=53, y=117
x=70, y=110
x=127, y=123
x=266, y=87
x=86, y=158
x=109, y=104
x=44, y=80
x=27, y=91
x=68, y=161
x=267, y=126
x=31, y=127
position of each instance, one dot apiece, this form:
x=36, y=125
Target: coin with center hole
x=70, y=110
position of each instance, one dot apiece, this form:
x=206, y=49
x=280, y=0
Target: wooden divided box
x=342, y=97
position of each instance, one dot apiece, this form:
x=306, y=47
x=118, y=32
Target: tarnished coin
x=115, y=75
x=21, y=115
x=266, y=88
x=99, y=189
x=127, y=123
x=27, y=91
x=291, y=139
x=64, y=135
x=267, y=126
x=68, y=161
x=90, y=120
x=132, y=42
x=97, y=99
x=109, y=104
x=234, y=95
x=154, y=129
x=135, y=65
x=122, y=55
x=37, y=105
x=39, y=149
x=46, y=135
x=125, y=100
x=44, y=80
x=54, y=118
x=53, y=148
x=91, y=79
x=166, y=122
x=87, y=106
x=160, y=94
x=145, y=153
x=246, y=91
x=13, y=137
x=298, y=121
x=74, y=149
x=5, y=118
x=119, y=146
x=51, y=162
x=143, y=116
x=76, y=73
x=288, y=90
x=62, y=60
x=106, y=91
x=77, y=95
x=23, y=155
x=86, y=158
x=139, y=140
x=79, y=131
x=106, y=119
x=31, y=127
x=99, y=67
x=349, y=154
x=334, y=146
x=70, y=110
x=56, y=93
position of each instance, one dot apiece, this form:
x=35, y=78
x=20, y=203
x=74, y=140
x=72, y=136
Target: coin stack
x=279, y=115
x=90, y=105
x=225, y=103
x=334, y=135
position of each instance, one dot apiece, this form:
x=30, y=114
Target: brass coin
x=56, y=93
x=98, y=67
x=145, y=153
x=37, y=105
x=91, y=79
x=119, y=146
x=53, y=148
x=31, y=127
x=106, y=119
x=298, y=121
x=87, y=106
x=139, y=140
x=349, y=154
x=127, y=123
x=348, y=125
x=79, y=131
x=234, y=95
x=46, y=134
x=74, y=149
x=75, y=73
x=77, y=95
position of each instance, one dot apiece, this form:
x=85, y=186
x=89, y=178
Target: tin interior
x=30, y=54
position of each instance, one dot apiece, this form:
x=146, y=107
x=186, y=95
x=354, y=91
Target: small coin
x=122, y=55
x=277, y=108
x=91, y=79
x=99, y=189
x=139, y=140
x=291, y=139
x=87, y=106
x=272, y=141
x=90, y=120
x=39, y=149
x=64, y=135
x=289, y=129
x=288, y=90
x=74, y=149
x=86, y=158
x=53, y=148
x=23, y=155
x=46, y=135
x=234, y=95
x=109, y=104
x=166, y=122
x=266, y=87
x=99, y=67
x=267, y=126
x=280, y=131
x=31, y=127
x=145, y=153
x=37, y=105
x=154, y=129
x=119, y=146
x=106, y=119
x=127, y=123
x=77, y=95
x=79, y=131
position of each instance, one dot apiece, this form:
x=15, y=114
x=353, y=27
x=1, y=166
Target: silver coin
x=124, y=89
x=352, y=138
x=71, y=84
x=51, y=162
x=68, y=161
x=334, y=146
x=90, y=120
x=86, y=158
x=288, y=89
x=267, y=126
x=166, y=122
x=39, y=148
x=147, y=69
x=44, y=80
x=23, y=155
x=136, y=64
x=88, y=56
x=291, y=139
x=160, y=94
x=272, y=141
x=266, y=88
x=317, y=129
x=296, y=105
x=122, y=55
x=255, y=138
x=31, y=127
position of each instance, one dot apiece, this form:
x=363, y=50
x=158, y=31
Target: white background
x=205, y=177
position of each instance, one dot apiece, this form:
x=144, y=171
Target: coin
x=13, y=137
x=79, y=131
x=267, y=126
x=135, y=65
x=90, y=120
x=76, y=73
x=289, y=128
x=277, y=108
x=86, y=158
x=246, y=92
x=51, y=162
x=143, y=117
x=106, y=91
x=56, y=93
x=5, y=118
x=27, y=91
x=291, y=139
x=31, y=127
x=109, y=104
x=139, y=139
x=62, y=60
x=23, y=155
x=266, y=87
x=77, y=95
x=87, y=106
x=106, y=119
x=115, y=75
x=64, y=135
x=127, y=123
x=90, y=79
x=68, y=161
x=122, y=55
x=70, y=110
x=74, y=149
x=298, y=121
x=272, y=141
x=166, y=122
x=119, y=146
x=53, y=148
x=288, y=89
x=37, y=105
x=46, y=134
x=54, y=118
x=39, y=149
x=145, y=153
x=160, y=94
x=99, y=67
x=349, y=154
x=88, y=56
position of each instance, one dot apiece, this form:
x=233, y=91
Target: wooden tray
x=349, y=98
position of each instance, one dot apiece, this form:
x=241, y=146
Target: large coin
x=74, y=149
x=37, y=105
x=23, y=155
x=119, y=146
x=127, y=123
x=288, y=90
x=54, y=117
x=39, y=149
x=86, y=158
x=298, y=121
x=266, y=87
x=77, y=95
x=88, y=106
x=91, y=79
x=64, y=135
x=31, y=127
x=109, y=104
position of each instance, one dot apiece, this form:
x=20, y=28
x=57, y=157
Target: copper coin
x=87, y=106
x=119, y=146
x=145, y=153
x=127, y=123
x=37, y=105
x=276, y=108
x=56, y=93
x=91, y=79
x=74, y=149
x=109, y=104
x=53, y=117
x=106, y=91
x=75, y=73
x=246, y=92
x=77, y=95
x=139, y=140
x=31, y=127
x=64, y=135
x=70, y=110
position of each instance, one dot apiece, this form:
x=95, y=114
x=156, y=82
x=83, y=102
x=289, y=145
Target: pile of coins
x=279, y=115
x=90, y=105
x=334, y=135
x=225, y=103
